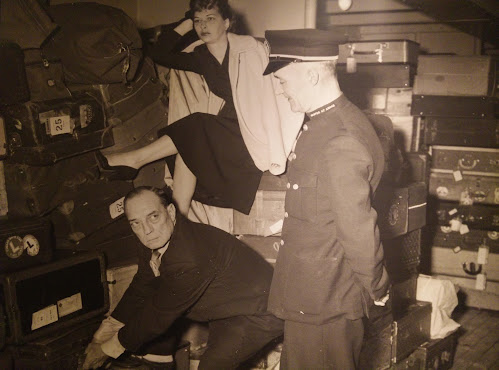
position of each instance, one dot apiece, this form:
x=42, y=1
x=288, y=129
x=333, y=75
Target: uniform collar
x=327, y=107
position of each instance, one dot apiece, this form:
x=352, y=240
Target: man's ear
x=172, y=212
x=313, y=76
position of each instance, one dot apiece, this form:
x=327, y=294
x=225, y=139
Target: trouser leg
x=232, y=341
x=334, y=345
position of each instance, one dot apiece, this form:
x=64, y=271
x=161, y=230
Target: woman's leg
x=184, y=184
x=161, y=148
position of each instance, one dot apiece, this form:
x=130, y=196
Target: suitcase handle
x=378, y=51
x=472, y=270
x=467, y=164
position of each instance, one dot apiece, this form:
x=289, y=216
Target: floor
x=478, y=342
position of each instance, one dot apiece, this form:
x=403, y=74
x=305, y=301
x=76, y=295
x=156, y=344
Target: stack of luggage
x=456, y=98
x=74, y=81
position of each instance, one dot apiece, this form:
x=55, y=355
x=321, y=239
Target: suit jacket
x=330, y=262
x=205, y=274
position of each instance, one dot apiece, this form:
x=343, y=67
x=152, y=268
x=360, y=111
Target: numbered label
x=59, y=125
x=117, y=208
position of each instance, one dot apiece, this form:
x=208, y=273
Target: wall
x=257, y=15
x=128, y=6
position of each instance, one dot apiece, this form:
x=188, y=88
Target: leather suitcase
x=416, y=168
x=403, y=293
x=443, y=236
x=266, y=214
x=116, y=240
x=469, y=190
x=35, y=191
x=45, y=77
x=95, y=206
x=455, y=106
x=391, y=343
x=54, y=297
x=4, y=206
x=140, y=130
x=14, y=86
x=400, y=210
x=119, y=279
x=469, y=161
x=456, y=75
x=380, y=51
x=60, y=350
x=403, y=255
x=383, y=100
x=436, y=354
x=25, y=243
x=476, y=216
x=377, y=75
x=470, y=132
x=46, y=132
x=266, y=246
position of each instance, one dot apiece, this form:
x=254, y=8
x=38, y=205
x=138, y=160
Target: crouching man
x=190, y=270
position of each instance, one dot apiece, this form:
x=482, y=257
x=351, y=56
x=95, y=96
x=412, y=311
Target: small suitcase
x=25, y=243
x=35, y=191
x=266, y=246
x=46, y=132
x=468, y=190
x=403, y=255
x=119, y=279
x=54, y=297
x=380, y=51
x=456, y=75
x=390, y=344
x=377, y=75
x=392, y=101
x=476, y=216
x=61, y=350
x=403, y=293
x=416, y=168
x=470, y=132
x=14, y=86
x=471, y=161
x=400, y=210
x=436, y=354
x=455, y=106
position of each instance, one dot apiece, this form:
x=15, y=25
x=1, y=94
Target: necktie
x=155, y=262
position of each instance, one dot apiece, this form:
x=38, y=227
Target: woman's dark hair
x=222, y=5
x=164, y=195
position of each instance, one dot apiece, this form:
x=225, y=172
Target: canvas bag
x=97, y=44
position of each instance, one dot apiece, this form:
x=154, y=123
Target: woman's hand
x=184, y=27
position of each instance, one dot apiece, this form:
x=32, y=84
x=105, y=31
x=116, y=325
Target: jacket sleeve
x=350, y=167
x=163, y=52
x=175, y=294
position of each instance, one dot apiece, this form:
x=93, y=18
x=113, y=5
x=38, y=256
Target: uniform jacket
x=330, y=262
x=268, y=126
x=205, y=274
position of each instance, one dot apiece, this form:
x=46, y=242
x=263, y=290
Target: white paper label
x=455, y=224
x=483, y=255
x=457, y=249
x=464, y=229
x=117, y=208
x=379, y=101
x=458, y=176
x=275, y=228
x=69, y=305
x=44, y=317
x=59, y=125
x=452, y=211
x=480, y=282
x=85, y=115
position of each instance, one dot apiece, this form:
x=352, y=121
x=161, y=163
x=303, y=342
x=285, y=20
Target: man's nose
x=148, y=228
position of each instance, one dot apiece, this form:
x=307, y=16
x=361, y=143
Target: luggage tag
x=351, y=62
x=117, y=208
x=56, y=122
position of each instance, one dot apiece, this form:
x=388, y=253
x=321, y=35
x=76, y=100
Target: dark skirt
x=214, y=150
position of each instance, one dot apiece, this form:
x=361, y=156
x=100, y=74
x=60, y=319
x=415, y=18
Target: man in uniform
x=191, y=270
x=329, y=268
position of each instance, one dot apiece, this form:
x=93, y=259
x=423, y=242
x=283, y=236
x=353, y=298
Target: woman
x=226, y=153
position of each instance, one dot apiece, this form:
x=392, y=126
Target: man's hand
x=94, y=356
